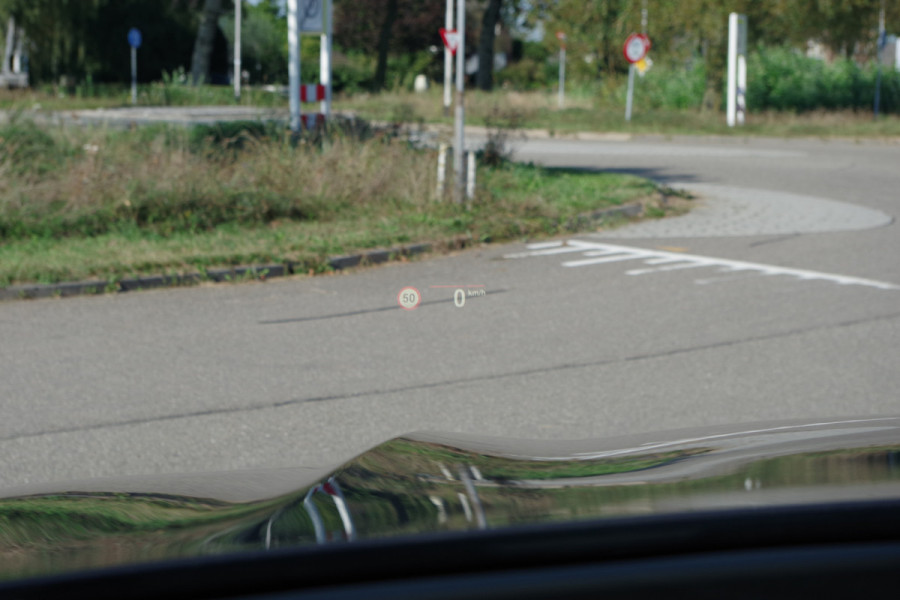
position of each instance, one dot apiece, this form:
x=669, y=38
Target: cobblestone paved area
x=730, y=211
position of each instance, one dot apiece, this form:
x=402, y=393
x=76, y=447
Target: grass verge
x=83, y=203
x=585, y=112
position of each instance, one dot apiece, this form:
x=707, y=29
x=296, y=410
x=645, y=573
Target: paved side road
x=309, y=371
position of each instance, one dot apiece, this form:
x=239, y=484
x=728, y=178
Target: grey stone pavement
x=730, y=211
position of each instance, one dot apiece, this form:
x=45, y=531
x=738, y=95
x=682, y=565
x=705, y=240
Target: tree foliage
x=88, y=38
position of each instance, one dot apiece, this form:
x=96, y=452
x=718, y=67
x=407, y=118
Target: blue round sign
x=134, y=37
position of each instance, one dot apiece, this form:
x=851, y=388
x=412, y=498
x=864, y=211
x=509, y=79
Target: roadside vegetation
x=788, y=95
x=79, y=203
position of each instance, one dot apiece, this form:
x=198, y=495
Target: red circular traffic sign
x=636, y=47
x=409, y=298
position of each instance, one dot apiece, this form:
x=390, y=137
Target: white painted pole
x=731, y=96
x=293, y=65
x=448, y=61
x=629, y=98
x=442, y=170
x=133, y=75
x=741, y=89
x=237, y=50
x=562, y=76
x=470, y=175
x=459, y=146
x=325, y=60
x=878, y=49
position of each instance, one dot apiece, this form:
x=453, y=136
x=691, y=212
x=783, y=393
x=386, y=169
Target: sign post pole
x=237, y=50
x=735, y=107
x=562, y=67
x=635, y=50
x=293, y=65
x=448, y=61
x=879, y=47
x=325, y=59
x=460, y=124
x=134, y=40
x=133, y=75
x=629, y=98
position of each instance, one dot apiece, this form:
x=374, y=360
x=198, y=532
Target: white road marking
x=598, y=253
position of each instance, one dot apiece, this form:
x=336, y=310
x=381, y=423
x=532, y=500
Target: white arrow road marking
x=597, y=253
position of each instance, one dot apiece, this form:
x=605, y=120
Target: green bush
x=785, y=79
x=231, y=135
x=674, y=88
x=526, y=74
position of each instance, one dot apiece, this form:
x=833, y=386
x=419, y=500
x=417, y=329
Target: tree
x=62, y=37
x=375, y=28
x=489, y=22
x=206, y=35
x=384, y=39
x=263, y=41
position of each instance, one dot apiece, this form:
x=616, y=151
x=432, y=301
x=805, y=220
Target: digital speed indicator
x=409, y=298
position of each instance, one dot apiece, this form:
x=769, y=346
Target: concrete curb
x=370, y=257
x=98, y=286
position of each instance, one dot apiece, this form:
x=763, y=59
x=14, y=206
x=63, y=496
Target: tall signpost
x=325, y=59
x=448, y=60
x=736, y=102
x=308, y=16
x=635, y=50
x=134, y=40
x=293, y=65
x=882, y=42
x=562, y=67
x=460, y=123
x=237, y=50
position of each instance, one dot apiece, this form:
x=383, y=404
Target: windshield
x=268, y=245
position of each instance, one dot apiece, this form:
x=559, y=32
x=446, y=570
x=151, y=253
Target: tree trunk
x=384, y=39
x=206, y=35
x=486, y=46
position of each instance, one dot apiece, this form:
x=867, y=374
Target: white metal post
x=459, y=145
x=731, y=98
x=878, y=48
x=562, y=75
x=448, y=61
x=293, y=65
x=741, y=91
x=629, y=98
x=441, y=170
x=237, y=50
x=325, y=60
x=470, y=175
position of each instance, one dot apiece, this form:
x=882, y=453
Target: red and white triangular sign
x=451, y=39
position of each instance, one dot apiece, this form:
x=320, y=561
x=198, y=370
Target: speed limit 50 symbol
x=409, y=298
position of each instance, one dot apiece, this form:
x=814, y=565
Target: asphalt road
x=309, y=371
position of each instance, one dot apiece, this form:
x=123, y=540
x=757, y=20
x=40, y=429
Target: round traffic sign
x=134, y=37
x=636, y=47
x=409, y=298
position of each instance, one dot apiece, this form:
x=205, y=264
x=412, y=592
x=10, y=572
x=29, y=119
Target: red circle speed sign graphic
x=409, y=298
x=636, y=47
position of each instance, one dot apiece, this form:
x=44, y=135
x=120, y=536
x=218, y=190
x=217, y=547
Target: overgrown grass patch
x=164, y=200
